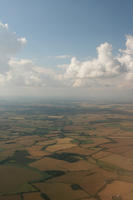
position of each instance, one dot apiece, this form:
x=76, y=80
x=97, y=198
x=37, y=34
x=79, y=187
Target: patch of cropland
x=66, y=150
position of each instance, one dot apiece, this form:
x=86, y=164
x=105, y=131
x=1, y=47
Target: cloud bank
x=106, y=70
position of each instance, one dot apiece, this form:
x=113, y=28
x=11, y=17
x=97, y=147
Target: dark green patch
x=1, y=149
x=10, y=143
x=76, y=187
x=46, y=146
x=45, y=196
x=69, y=157
x=78, y=141
x=49, y=174
x=19, y=158
x=54, y=173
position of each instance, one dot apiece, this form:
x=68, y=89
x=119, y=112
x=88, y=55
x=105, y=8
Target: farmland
x=58, y=151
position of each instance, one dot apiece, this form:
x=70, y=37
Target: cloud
x=10, y=45
x=5, y=26
x=126, y=57
x=105, y=66
x=22, y=40
x=21, y=72
x=62, y=56
x=25, y=73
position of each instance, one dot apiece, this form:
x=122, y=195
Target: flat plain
x=70, y=150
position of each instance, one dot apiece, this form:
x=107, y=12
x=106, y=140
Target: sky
x=66, y=48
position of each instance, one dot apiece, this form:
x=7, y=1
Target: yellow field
x=61, y=191
x=117, y=188
x=58, y=147
x=32, y=196
x=120, y=161
x=54, y=164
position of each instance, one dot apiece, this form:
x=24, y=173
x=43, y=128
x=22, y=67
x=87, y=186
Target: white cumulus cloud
x=10, y=44
x=105, y=66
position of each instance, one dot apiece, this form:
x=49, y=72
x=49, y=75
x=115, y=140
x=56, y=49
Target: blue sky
x=75, y=27
x=67, y=45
